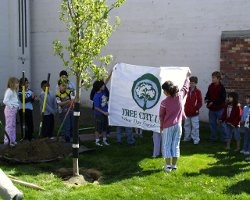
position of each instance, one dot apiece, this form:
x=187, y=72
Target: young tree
x=89, y=26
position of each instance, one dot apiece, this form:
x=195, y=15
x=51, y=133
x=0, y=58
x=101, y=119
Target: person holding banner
x=106, y=92
x=101, y=112
x=171, y=115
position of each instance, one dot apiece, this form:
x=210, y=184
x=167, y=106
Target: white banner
x=136, y=94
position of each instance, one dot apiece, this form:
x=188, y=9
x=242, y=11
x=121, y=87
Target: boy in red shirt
x=192, y=106
x=215, y=100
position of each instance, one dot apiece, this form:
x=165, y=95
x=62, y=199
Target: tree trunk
x=75, y=145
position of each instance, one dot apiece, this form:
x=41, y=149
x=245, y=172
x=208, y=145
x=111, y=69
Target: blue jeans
x=246, y=145
x=67, y=128
x=214, y=116
x=129, y=133
x=232, y=132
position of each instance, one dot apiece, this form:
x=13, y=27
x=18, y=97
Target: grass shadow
x=239, y=188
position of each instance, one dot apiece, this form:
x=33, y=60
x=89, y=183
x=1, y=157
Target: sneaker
x=98, y=144
x=12, y=144
x=196, y=142
x=242, y=151
x=247, y=159
x=105, y=143
x=186, y=139
x=174, y=168
x=167, y=168
x=246, y=153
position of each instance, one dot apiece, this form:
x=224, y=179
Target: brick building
x=235, y=61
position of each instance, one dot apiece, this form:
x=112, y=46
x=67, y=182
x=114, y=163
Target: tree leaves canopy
x=89, y=29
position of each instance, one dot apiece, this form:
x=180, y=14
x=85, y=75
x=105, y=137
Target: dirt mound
x=90, y=175
x=39, y=150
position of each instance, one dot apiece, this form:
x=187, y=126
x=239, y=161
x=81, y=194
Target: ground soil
x=39, y=150
x=42, y=150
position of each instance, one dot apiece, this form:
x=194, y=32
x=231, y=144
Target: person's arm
x=97, y=105
x=199, y=100
x=162, y=113
x=108, y=78
x=50, y=108
x=244, y=114
x=239, y=115
x=29, y=96
x=64, y=103
x=6, y=99
x=185, y=87
x=224, y=115
x=222, y=98
x=92, y=94
x=101, y=111
x=207, y=96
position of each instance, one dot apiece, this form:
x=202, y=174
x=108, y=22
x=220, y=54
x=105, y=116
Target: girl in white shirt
x=11, y=106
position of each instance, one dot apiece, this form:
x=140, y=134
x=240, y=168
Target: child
x=138, y=132
x=64, y=99
x=231, y=120
x=11, y=106
x=157, y=144
x=106, y=92
x=192, y=106
x=50, y=110
x=63, y=75
x=101, y=112
x=171, y=114
x=245, y=123
x=128, y=132
x=215, y=100
x=30, y=97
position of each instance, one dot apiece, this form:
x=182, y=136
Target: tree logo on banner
x=146, y=91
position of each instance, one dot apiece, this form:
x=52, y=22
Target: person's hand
x=209, y=104
x=219, y=121
x=188, y=73
x=68, y=102
x=35, y=98
x=230, y=124
x=161, y=129
x=106, y=113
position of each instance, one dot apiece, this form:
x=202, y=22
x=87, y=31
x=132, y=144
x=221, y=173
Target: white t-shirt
x=10, y=98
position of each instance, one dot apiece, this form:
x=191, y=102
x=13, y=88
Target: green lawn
x=205, y=171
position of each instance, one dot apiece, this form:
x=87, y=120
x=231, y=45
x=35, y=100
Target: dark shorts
x=101, y=123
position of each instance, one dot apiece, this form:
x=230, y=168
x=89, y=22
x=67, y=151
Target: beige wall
x=10, y=53
x=152, y=33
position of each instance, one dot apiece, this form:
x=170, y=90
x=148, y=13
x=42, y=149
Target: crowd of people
x=19, y=98
x=180, y=107
x=225, y=113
